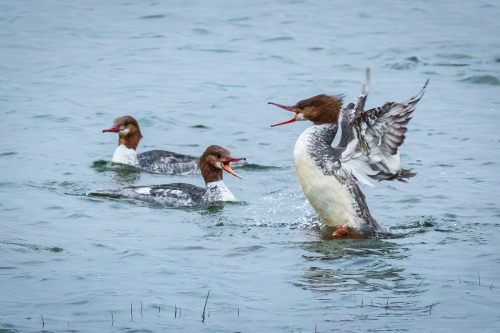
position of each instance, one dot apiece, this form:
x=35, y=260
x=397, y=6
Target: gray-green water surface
x=196, y=73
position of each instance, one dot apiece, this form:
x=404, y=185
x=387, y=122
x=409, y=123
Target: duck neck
x=319, y=137
x=211, y=174
x=315, y=146
x=129, y=141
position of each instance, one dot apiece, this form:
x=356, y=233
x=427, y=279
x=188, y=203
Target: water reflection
x=366, y=265
x=123, y=174
x=364, y=278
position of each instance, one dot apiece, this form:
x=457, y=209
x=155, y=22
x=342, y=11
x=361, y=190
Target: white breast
x=218, y=191
x=125, y=155
x=330, y=198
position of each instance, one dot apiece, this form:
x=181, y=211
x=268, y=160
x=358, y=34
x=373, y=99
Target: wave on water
x=450, y=228
x=255, y=167
x=124, y=174
x=413, y=226
x=153, y=16
x=8, y=153
x=483, y=79
x=200, y=126
x=406, y=64
x=25, y=247
x=102, y=166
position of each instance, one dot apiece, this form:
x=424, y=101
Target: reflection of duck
x=368, y=148
x=211, y=163
x=158, y=161
x=359, y=267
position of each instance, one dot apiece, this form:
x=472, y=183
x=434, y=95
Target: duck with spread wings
x=368, y=150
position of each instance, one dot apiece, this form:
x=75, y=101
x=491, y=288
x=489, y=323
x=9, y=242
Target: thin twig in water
x=112, y=319
x=479, y=278
x=361, y=303
x=491, y=287
x=175, y=313
x=431, y=306
x=421, y=282
x=387, y=305
x=238, y=312
x=203, y=314
x=43, y=321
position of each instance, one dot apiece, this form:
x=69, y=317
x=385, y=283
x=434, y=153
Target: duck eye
x=218, y=155
x=126, y=123
x=301, y=105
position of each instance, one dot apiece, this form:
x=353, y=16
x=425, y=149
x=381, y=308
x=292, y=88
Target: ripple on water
x=200, y=126
x=256, y=167
x=277, y=39
x=239, y=251
x=26, y=247
x=78, y=215
x=153, y=16
x=409, y=199
x=201, y=31
x=8, y=184
x=408, y=63
x=124, y=174
x=8, y=153
x=132, y=254
x=414, y=226
x=483, y=79
x=357, y=266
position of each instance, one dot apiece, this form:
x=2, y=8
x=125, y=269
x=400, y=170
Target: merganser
x=157, y=161
x=211, y=163
x=368, y=147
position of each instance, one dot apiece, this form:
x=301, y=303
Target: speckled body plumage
x=180, y=194
x=334, y=194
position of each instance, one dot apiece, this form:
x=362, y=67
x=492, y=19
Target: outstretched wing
x=351, y=111
x=361, y=100
x=376, y=135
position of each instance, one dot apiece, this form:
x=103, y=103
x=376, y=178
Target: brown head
x=320, y=109
x=213, y=161
x=129, y=133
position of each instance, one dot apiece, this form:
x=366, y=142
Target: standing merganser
x=157, y=161
x=211, y=163
x=368, y=147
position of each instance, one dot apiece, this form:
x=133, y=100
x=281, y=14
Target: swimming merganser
x=368, y=148
x=157, y=161
x=211, y=163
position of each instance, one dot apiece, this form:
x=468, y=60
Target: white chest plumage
x=218, y=191
x=330, y=198
x=125, y=155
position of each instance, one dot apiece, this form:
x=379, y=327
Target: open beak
x=227, y=167
x=115, y=129
x=288, y=108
